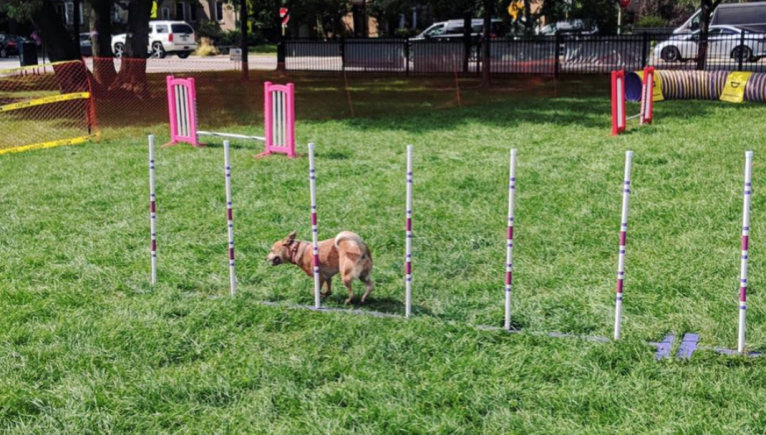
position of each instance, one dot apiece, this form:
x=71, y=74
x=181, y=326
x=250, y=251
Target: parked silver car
x=724, y=42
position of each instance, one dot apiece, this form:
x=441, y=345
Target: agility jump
x=619, y=117
x=278, y=113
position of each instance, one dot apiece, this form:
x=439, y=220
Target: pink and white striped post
x=408, y=239
x=745, y=245
x=152, y=210
x=230, y=218
x=182, y=106
x=623, y=236
x=314, y=227
x=509, y=247
x=279, y=119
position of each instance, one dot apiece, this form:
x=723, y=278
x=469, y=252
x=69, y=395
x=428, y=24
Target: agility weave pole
x=745, y=246
x=314, y=228
x=279, y=117
x=509, y=247
x=408, y=239
x=229, y=218
x=152, y=210
x=619, y=115
x=621, y=252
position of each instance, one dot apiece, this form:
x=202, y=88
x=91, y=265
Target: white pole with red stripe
x=314, y=227
x=623, y=236
x=408, y=239
x=230, y=218
x=509, y=248
x=152, y=209
x=745, y=243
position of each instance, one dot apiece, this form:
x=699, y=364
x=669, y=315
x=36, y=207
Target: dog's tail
x=351, y=237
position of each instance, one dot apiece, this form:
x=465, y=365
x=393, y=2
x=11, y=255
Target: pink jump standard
x=279, y=117
x=408, y=239
x=229, y=218
x=509, y=247
x=279, y=114
x=745, y=246
x=152, y=210
x=623, y=236
x=314, y=228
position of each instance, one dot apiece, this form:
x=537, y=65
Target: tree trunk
x=706, y=8
x=132, y=76
x=243, y=19
x=103, y=62
x=76, y=24
x=71, y=77
x=485, y=58
x=528, y=29
x=467, y=43
x=55, y=37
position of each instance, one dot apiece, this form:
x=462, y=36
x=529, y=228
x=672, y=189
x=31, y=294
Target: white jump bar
x=231, y=135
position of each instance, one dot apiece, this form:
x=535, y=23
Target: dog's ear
x=290, y=238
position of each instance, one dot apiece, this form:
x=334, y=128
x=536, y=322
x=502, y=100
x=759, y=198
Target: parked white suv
x=164, y=37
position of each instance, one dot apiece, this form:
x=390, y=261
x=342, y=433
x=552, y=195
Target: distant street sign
x=235, y=55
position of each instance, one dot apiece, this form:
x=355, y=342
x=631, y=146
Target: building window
x=61, y=10
x=219, y=11
x=165, y=13
x=68, y=11
x=193, y=12
x=181, y=11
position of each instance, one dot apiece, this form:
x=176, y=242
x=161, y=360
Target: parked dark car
x=86, y=45
x=10, y=45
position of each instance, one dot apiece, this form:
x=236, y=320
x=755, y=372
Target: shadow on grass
x=385, y=305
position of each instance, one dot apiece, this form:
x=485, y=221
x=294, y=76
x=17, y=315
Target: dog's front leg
x=328, y=285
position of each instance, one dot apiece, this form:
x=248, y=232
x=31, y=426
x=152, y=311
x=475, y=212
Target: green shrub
x=651, y=21
x=210, y=30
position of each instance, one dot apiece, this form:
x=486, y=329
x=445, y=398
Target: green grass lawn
x=88, y=346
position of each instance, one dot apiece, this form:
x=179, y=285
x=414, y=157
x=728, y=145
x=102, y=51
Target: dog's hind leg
x=368, y=284
x=328, y=287
x=347, y=280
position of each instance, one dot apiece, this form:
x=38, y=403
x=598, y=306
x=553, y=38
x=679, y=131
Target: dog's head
x=280, y=252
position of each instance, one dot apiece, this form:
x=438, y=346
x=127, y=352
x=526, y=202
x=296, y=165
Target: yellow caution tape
x=734, y=90
x=44, y=65
x=656, y=86
x=51, y=144
x=45, y=100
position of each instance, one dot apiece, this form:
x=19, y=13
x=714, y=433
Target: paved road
x=174, y=64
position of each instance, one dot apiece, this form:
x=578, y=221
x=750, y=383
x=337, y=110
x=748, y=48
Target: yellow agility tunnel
x=734, y=87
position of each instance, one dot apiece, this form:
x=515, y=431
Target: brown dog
x=347, y=254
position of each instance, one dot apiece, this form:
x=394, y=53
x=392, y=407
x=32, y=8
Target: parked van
x=746, y=16
x=453, y=30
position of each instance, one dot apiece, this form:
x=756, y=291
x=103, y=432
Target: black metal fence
x=725, y=49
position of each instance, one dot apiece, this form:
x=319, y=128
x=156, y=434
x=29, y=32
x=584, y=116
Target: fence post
x=281, y=55
x=407, y=55
x=466, y=50
x=644, y=49
x=342, y=48
x=740, y=58
x=557, y=51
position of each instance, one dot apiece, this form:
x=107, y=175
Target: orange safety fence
x=45, y=106
x=48, y=104
x=132, y=92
